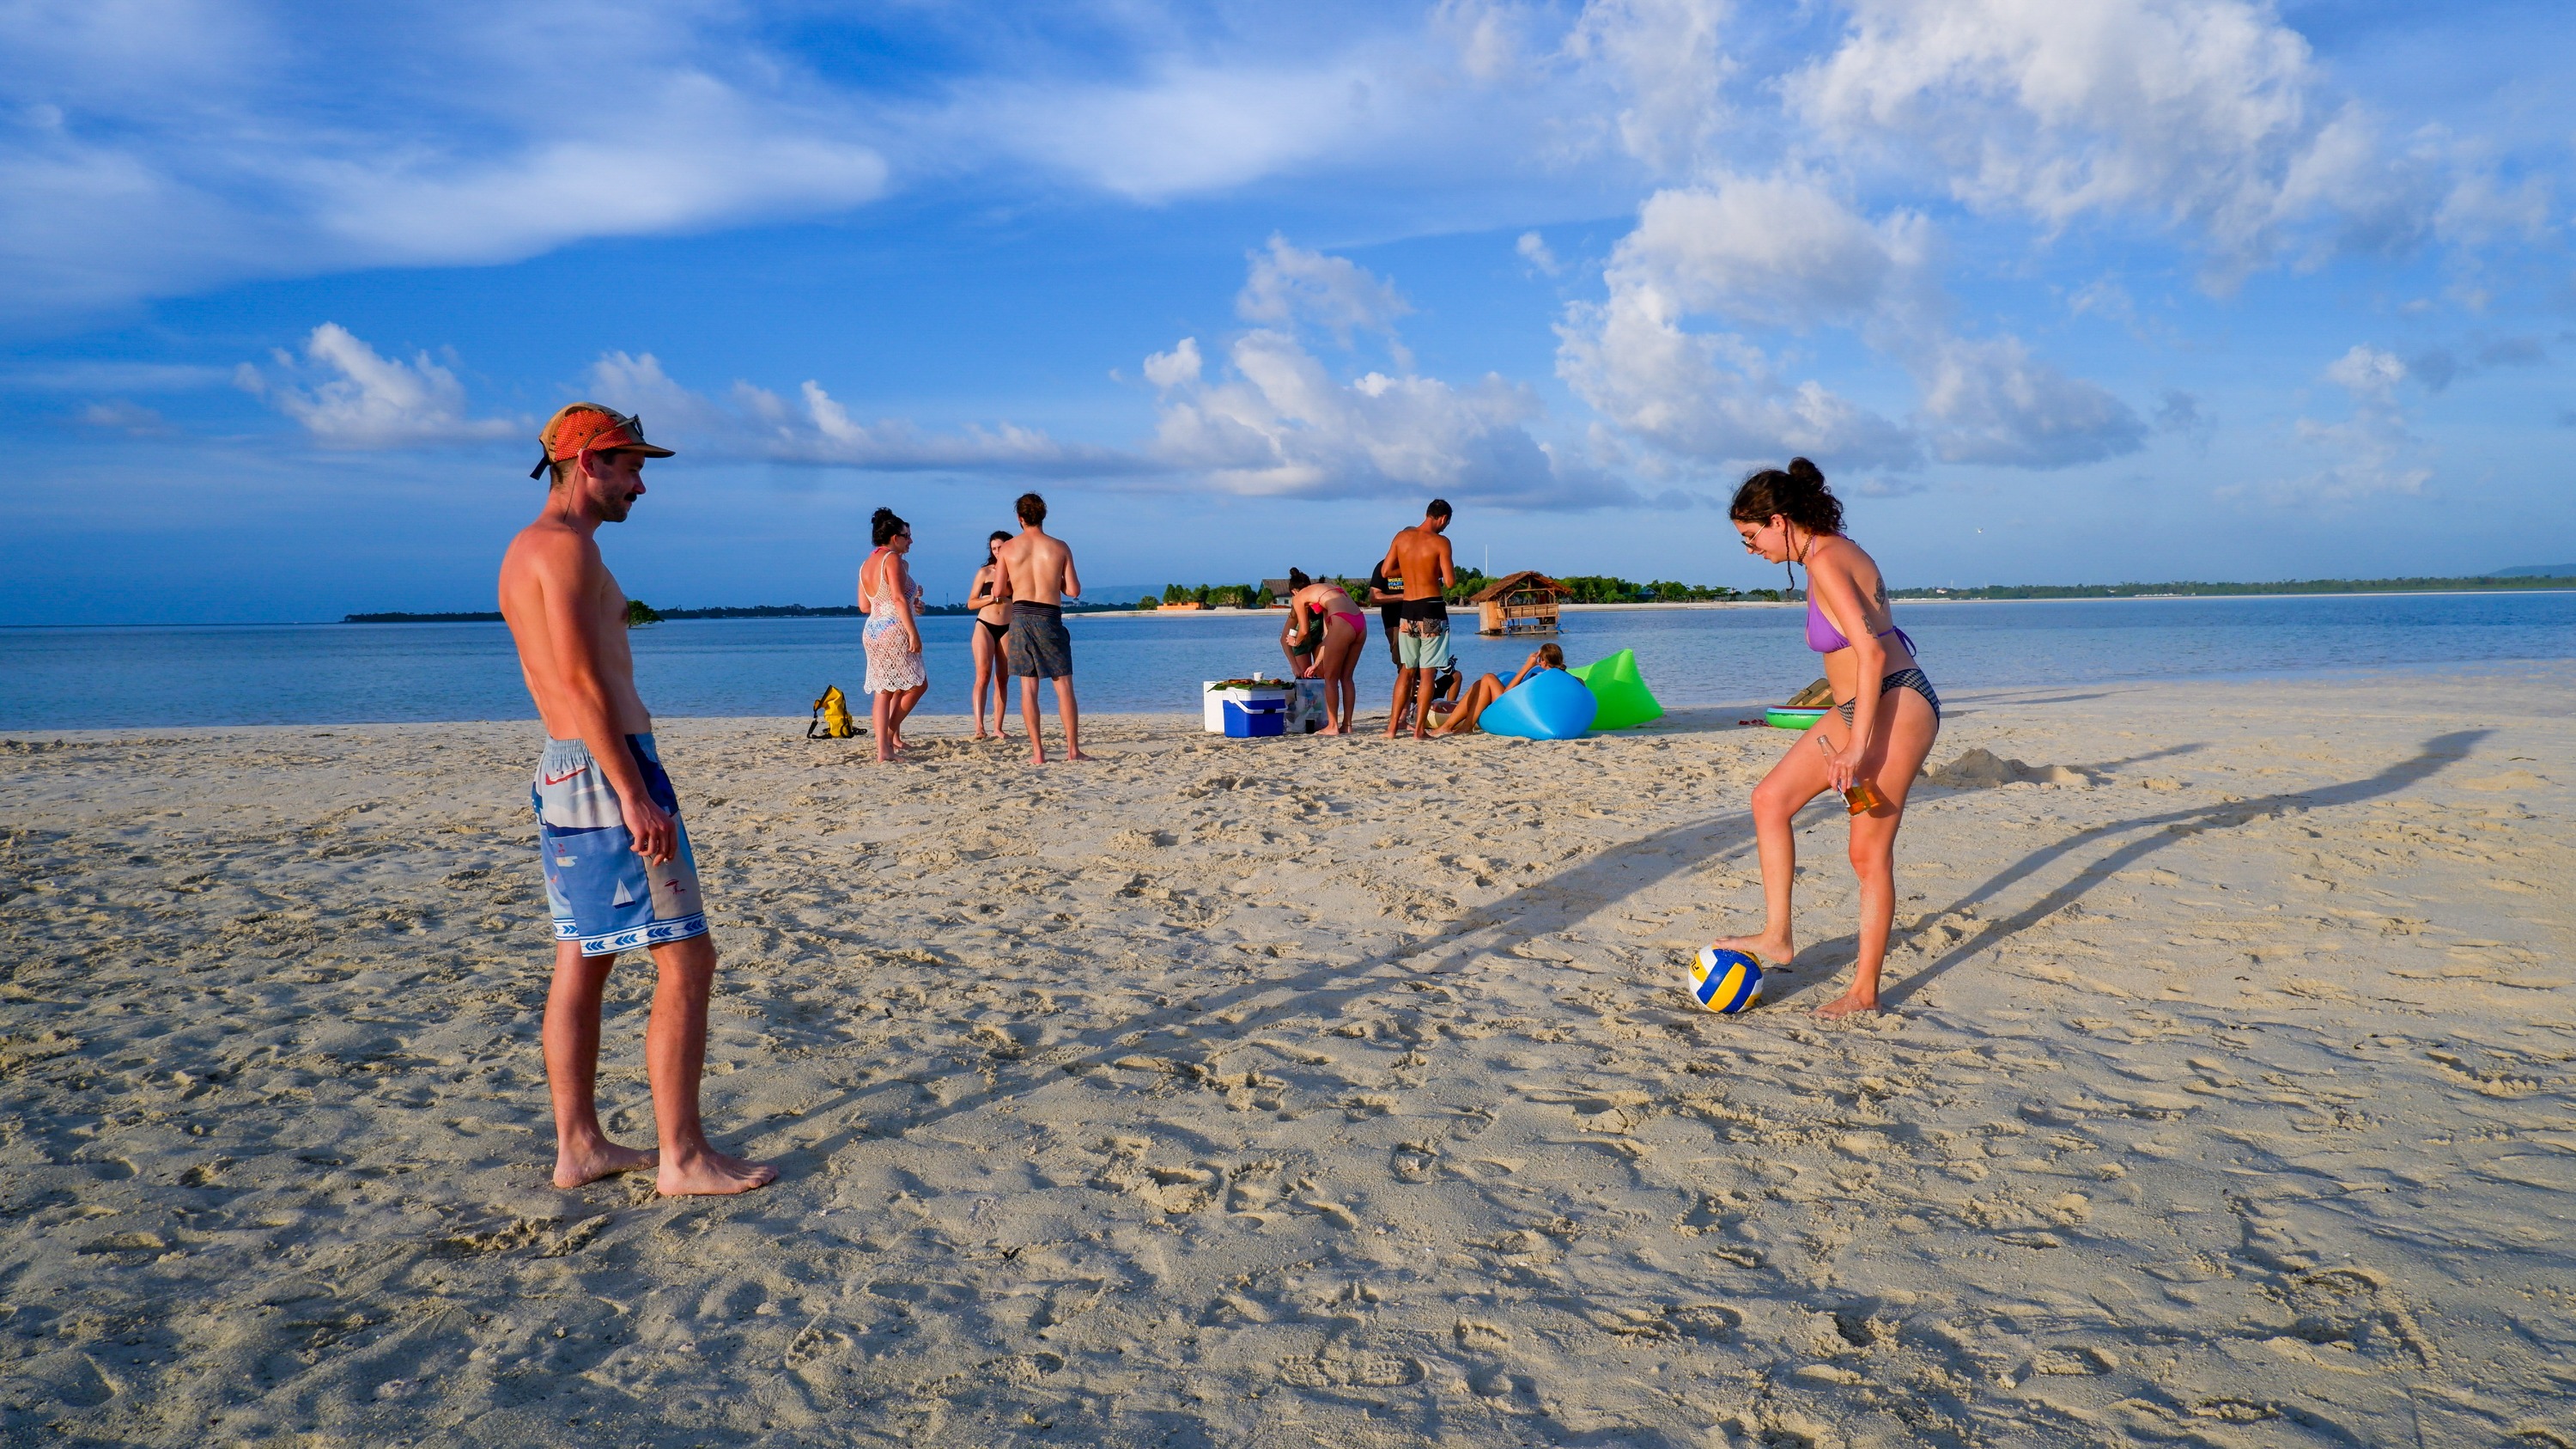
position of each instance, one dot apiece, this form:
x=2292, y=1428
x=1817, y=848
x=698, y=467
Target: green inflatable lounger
x=1620, y=690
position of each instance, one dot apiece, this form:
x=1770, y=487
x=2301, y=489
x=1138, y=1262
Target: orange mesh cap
x=580, y=425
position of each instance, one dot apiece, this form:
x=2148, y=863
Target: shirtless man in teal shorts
x=1420, y=555
x=618, y=870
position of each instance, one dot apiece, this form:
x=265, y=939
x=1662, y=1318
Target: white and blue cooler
x=1247, y=719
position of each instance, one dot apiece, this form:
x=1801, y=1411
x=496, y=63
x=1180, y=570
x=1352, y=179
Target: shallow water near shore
x=89, y=678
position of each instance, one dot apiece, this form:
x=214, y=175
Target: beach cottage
x=1521, y=603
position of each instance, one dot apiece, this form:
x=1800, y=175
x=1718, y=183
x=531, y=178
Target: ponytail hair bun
x=884, y=525
x=1796, y=493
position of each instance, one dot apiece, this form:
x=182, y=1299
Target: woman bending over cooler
x=1338, y=628
x=1878, y=732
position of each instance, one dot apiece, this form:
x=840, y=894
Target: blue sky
x=2138, y=289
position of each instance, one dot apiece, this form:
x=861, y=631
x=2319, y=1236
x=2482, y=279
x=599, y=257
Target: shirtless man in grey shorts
x=619, y=873
x=1040, y=570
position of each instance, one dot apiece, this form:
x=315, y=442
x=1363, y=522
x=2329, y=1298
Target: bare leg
x=1891, y=765
x=1029, y=718
x=1403, y=692
x=1464, y=715
x=675, y=1056
x=1072, y=717
x=881, y=716
x=1422, y=702
x=981, y=646
x=904, y=704
x=583, y=1152
x=1797, y=779
x=1333, y=665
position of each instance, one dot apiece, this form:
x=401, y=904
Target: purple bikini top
x=1824, y=638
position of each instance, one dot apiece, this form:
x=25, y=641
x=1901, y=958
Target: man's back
x=1040, y=566
x=554, y=583
x=1422, y=561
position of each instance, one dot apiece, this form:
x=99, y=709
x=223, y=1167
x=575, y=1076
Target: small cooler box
x=1252, y=718
x=1216, y=706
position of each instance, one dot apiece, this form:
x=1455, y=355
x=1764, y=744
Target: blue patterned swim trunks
x=604, y=895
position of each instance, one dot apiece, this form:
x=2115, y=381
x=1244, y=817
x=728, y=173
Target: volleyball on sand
x=1727, y=981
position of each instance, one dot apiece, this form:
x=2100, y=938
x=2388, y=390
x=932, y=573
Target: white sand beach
x=1313, y=1092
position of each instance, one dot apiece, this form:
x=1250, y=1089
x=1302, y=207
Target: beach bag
x=831, y=719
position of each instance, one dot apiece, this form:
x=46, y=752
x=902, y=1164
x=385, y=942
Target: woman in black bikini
x=1878, y=733
x=992, y=608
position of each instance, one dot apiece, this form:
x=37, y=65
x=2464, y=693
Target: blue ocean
x=92, y=678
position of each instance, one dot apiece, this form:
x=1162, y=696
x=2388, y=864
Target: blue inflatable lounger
x=1253, y=718
x=1549, y=705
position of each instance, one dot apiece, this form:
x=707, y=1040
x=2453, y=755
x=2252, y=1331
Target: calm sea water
x=353, y=673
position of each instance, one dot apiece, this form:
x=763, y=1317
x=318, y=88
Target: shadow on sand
x=1548, y=906
x=2167, y=827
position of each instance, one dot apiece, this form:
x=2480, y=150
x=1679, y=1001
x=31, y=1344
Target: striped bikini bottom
x=1902, y=679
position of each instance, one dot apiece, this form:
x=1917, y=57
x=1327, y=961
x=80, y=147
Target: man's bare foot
x=712, y=1174
x=1075, y=755
x=607, y=1159
x=1332, y=730
x=1850, y=1003
x=1773, y=951
x=1037, y=757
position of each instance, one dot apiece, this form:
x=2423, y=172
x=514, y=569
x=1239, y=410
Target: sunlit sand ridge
x=1307, y=1092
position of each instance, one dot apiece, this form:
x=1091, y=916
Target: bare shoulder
x=545, y=552
x=1850, y=558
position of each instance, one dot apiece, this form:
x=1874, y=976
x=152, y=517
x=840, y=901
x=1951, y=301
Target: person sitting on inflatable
x=1461, y=717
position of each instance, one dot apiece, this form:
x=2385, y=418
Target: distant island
x=639, y=613
x=1605, y=589
x=2561, y=576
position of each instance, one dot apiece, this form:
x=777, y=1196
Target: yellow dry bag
x=831, y=719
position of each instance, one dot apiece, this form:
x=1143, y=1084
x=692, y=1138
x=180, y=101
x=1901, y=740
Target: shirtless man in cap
x=1040, y=570
x=1420, y=556
x=618, y=870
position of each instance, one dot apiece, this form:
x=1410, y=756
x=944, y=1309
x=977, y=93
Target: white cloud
x=1772, y=251
x=1989, y=402
x=117, y=415
x=1176, y=367
x=2369, y=374
x=375, y=401
x=688, y=151
x=1712, y=398
x=1667, y=58
x=753, y=422
x=1186, y=128
x=2370, y=454
x=1781, y=251
x=1533, y=250
x=2206, y=113
x=1281, y=426
x=1785, y=252
x=150, y=150
x=1288, y=284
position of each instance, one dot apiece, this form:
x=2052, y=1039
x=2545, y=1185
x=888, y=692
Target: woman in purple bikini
x=1877, y=734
